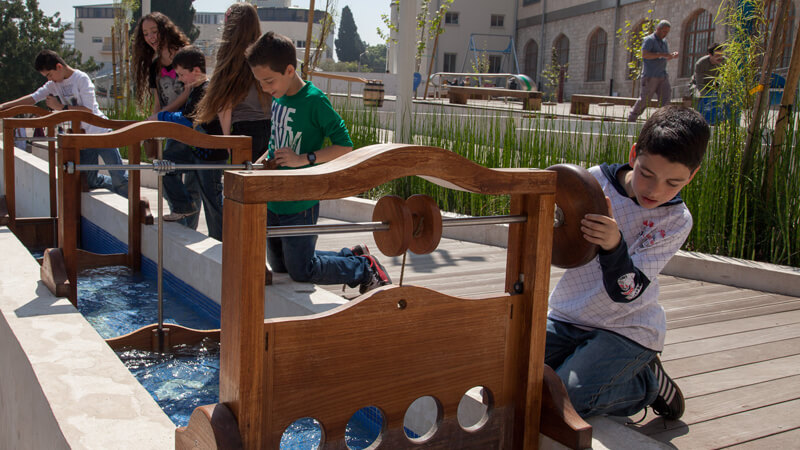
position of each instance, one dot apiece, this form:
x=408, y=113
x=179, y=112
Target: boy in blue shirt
x=302, y=117
x=190, y=67
x=66, y=89
x=605, y=326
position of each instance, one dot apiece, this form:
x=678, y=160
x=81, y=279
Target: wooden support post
x=762, y=96
x=69, y=189
x=787, y=102
x=51, y=165
x=242, y=364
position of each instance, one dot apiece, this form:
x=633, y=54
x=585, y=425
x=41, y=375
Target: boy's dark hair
x=677, y=133
x=47, y=60
x=272, y=50
x=714, y=47
x=190, y=57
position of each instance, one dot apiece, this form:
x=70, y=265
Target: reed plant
x=731, y=217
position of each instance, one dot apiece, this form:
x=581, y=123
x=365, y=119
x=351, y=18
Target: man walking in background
x=655, y=54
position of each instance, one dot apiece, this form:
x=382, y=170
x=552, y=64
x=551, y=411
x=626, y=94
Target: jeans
x=207, y=184
x=650, y=86
x=117, y=182
x=604, y=372
x=182, y=192
x=297, y=256
x=257, y=129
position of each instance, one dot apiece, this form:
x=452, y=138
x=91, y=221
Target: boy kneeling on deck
x=302, y=117
x=605, y=326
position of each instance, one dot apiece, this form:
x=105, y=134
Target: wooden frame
x=69, y=188
x=403, y=341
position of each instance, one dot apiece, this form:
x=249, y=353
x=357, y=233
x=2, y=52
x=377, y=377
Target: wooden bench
x=579, y=104
x=531, y=100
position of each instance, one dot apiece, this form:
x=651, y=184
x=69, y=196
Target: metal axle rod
x=160, y=165
x=358, y=227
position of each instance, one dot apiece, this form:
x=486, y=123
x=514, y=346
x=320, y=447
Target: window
x=770, y=11
x=497, y=20
x=449, y=62
x=529, y=2
x=596, y=64
x=495, y=63
x=301, y=44
x=698, y=36
x=531, y=59
x=451, y=18
x=97, y=40
x=561, y=45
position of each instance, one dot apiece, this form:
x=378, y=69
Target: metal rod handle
x=161, y=165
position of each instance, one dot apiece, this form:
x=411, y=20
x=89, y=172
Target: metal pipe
x=160, y=283
x=40, y=139
x=161, y=165
x=358, y=227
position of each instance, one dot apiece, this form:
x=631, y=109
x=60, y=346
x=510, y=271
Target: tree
x=375, y=58
x=24, y=31
x=181, y=12
x=349, y=45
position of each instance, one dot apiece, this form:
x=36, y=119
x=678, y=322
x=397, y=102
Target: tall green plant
x=631, y=37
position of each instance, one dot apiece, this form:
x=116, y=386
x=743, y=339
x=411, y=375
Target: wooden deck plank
x=732, y=327
x=711, y=362
x=727, y=403
x=787, y=439
x=718, y=316
x=757, y=300
x=729, y=342
x=743, y=427
x=721, y=380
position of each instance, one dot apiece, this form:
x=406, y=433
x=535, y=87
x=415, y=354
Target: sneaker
x=174, y=217
x=360, y=250
x=378, y=276
x=669, y=401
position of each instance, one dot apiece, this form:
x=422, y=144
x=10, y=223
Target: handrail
x=23, y=109
x=374, y=165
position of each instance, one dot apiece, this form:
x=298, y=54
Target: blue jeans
x=207, y=184
x=604, y=372
x=183, y=195
x=117, y=182
x=297, y=255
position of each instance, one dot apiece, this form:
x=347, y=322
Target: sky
x=366, y=13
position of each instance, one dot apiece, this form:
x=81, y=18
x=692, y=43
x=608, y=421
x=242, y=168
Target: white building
x=93, y=29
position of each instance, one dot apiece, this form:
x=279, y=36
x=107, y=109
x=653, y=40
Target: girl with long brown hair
x=233, y=93
x=156, y=39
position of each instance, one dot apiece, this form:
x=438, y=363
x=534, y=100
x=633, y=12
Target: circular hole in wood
x=305, y=433
x=422, y=419
x=473, y=409
x=365, y=429
x=401, y=304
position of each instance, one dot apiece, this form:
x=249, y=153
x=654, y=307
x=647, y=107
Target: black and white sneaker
x=378, y=276
x=669, y=402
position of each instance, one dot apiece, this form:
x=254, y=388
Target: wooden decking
x=734, y=352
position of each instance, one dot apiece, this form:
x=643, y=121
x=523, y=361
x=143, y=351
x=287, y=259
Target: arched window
x=561, y=46
x=697, y=38
x=770, y=11
x=596, y=63
x=531, y=59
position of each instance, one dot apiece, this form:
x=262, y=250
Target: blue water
x=117, y=301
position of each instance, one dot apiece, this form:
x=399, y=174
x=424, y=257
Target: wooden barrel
x=373, y=93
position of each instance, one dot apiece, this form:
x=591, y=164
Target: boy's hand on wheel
x=601, y=230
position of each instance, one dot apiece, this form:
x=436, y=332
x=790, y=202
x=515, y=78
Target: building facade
x=584, y=34
x=93, y=29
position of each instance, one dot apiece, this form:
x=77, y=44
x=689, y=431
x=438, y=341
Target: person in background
x=233, y=94
x=704, y=83
x=655, y=54
x=71, y=89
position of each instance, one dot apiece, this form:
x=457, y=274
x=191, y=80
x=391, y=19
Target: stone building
x=584, y=33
